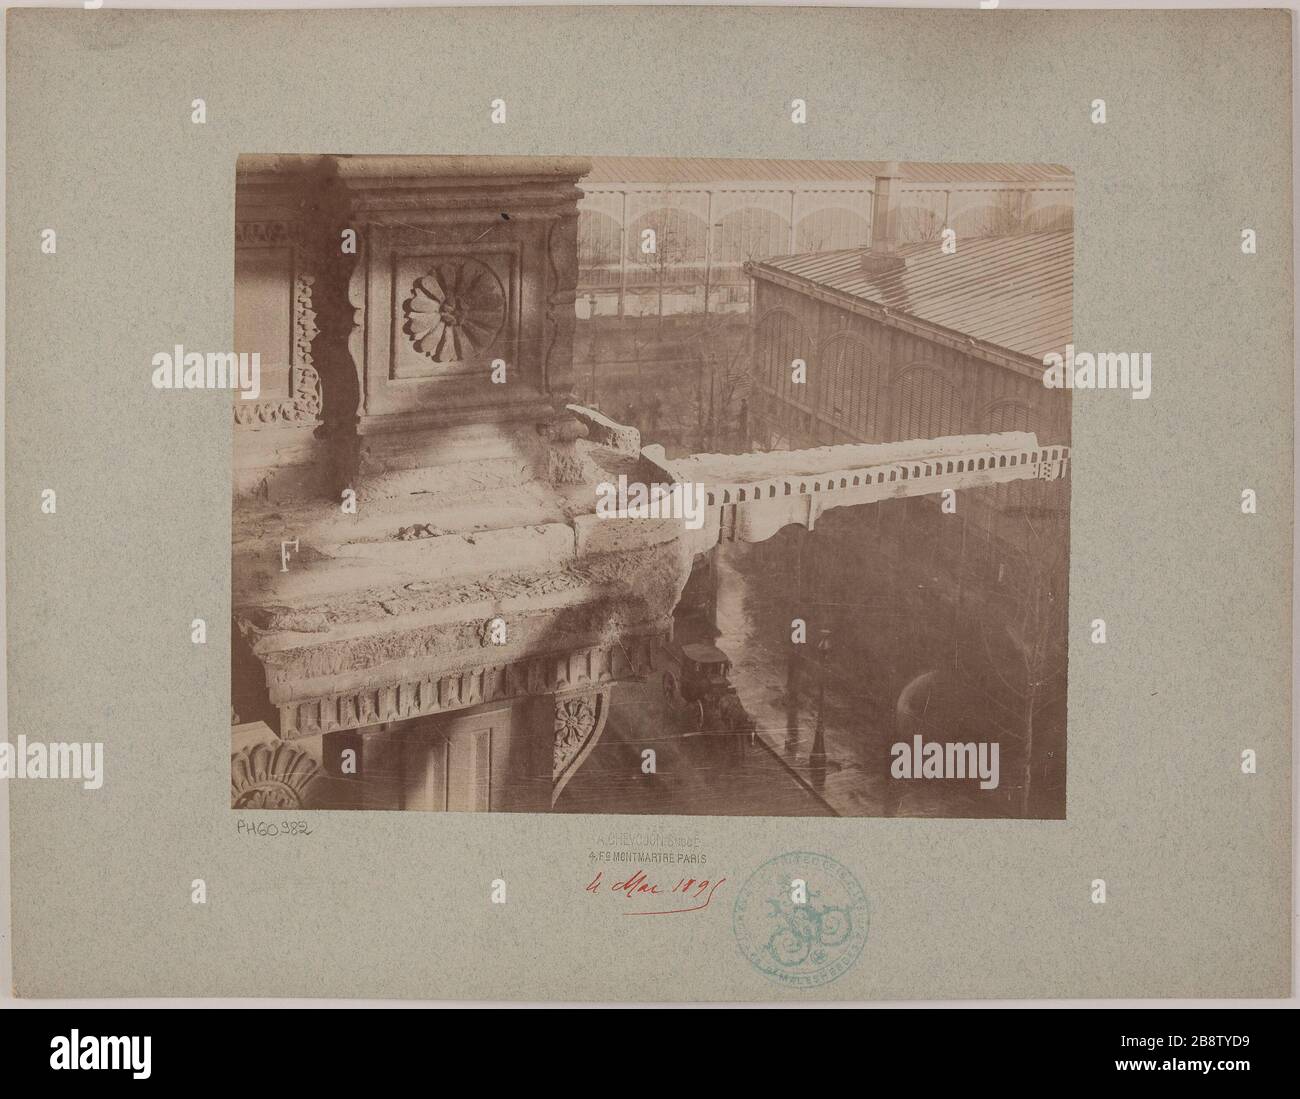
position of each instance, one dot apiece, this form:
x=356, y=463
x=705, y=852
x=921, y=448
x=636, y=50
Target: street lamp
x=817, y=758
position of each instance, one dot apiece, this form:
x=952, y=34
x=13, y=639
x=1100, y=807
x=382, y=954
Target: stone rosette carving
x=454, y=311
x=271, y=776
x=575, y=721
x=579, y=721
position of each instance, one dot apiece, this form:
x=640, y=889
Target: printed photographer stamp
x=801, y=919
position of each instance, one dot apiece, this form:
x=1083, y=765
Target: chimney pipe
x=883, y=256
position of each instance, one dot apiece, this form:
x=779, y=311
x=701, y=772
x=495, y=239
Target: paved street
x=855, y=780
x=696, y=774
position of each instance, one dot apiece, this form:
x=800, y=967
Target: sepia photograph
x=602, y=477
x=696, y=486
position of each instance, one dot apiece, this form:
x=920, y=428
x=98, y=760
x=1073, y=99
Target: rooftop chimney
x=883, y=256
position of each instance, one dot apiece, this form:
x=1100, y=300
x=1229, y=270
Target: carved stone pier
x=411, y=584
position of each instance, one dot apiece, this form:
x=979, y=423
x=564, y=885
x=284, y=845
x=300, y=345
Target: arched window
x=987, y=214
x=925, y=405
x=599, y=237
x=680, y=241
x=1049, y=218
x=1011, y=415
x=921, y=218
x=848, y=384
x=832, y=228
x=749, y=233
x=781, y=340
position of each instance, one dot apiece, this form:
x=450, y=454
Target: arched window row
x=741, y=234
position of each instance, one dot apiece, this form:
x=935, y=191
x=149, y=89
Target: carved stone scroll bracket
x=271, y=776
x=579, y=721
x=302, y=404
x=341, y=319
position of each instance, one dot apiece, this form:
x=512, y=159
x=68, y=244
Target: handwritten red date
x=640, y=889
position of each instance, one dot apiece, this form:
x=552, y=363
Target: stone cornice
x=414, y=697
x=458, y=170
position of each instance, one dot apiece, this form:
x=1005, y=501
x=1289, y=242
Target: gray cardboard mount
x=1196, y=595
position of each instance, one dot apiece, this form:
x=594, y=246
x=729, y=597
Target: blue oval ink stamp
x=801, y=919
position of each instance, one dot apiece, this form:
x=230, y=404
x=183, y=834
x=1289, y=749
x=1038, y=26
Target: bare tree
x=672, y=249
x=721, y=346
